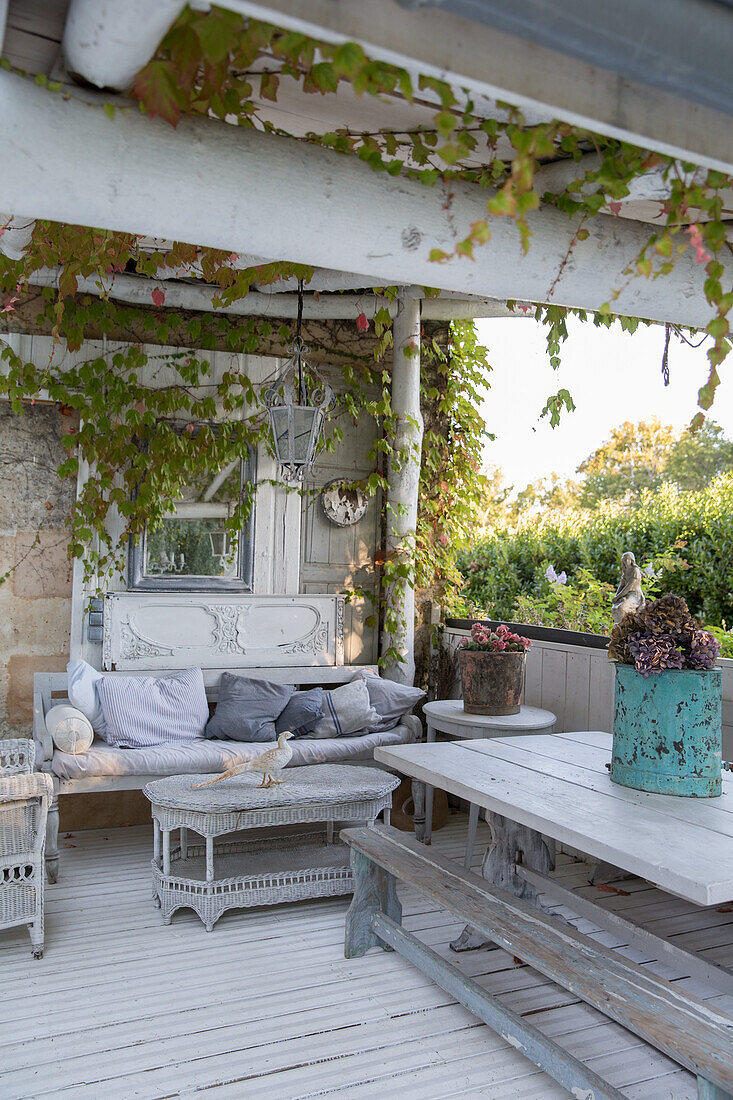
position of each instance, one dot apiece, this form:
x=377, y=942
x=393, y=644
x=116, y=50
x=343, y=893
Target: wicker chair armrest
x=18, y=788
x=41, y=736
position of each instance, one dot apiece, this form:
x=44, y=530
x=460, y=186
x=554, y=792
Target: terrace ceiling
x=269, y=197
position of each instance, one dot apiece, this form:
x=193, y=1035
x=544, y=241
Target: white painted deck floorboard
x=266, y=1005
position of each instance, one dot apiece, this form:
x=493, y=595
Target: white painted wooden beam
x=16, y=235
x=404, y=483
x=503, y=66
x=136, y=290
x=213, y=184
x=107, y=42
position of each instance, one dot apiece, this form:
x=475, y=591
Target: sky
x=612, y=377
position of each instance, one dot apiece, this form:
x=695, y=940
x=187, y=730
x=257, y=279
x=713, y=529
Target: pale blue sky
x=612, y=377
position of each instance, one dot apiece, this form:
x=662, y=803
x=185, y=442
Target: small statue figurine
x=629, y=596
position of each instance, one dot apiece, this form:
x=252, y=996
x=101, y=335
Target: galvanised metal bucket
x=667, y=731
x=492, y=682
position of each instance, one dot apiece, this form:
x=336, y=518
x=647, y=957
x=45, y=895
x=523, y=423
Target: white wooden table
x=447, y=716
x=559, y=786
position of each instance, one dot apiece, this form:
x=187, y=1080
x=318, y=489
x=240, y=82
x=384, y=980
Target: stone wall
x=35, y=596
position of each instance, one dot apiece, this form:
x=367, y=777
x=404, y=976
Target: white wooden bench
x=51, y=687
x=693, y=1034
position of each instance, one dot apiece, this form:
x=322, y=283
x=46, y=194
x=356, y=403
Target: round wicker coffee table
x=287, y=864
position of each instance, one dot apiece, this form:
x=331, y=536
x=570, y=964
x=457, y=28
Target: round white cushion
x=71, y=731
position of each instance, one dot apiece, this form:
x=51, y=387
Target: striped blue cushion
x=152, y=710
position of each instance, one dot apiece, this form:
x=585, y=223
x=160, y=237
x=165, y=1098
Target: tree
x=547, y=494
x=698, y=457
x=495, y=508
x=632, y=459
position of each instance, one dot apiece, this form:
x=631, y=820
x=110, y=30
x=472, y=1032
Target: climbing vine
x=131, y=403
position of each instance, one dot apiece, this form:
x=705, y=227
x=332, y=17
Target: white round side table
x=448, y=716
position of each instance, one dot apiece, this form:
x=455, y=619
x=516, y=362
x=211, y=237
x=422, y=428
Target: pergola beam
x=489, y=61
x=138, y=291
x=107, y=42
x=212, y=184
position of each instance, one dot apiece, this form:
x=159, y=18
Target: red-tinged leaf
x=615, y=208
x=158, y=297
x=269, y=84
x=362, y=323
x=608, y=889
x=157, y=90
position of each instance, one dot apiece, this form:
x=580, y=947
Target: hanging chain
x=301, y=388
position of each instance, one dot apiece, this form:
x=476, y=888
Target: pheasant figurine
x=274, y=760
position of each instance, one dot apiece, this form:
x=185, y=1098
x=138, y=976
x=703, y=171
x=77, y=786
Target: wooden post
x=404, y=481
x=375, y=891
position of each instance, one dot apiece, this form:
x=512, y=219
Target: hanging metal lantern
x=296, y=417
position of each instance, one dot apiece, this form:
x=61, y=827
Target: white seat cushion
x=104, y=761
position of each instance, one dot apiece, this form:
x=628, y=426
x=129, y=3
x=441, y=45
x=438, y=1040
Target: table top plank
x=692, y=861
x=586, y=764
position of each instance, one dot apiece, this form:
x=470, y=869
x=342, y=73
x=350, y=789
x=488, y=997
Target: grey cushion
x=390, y=700
x=247, y=709
x=304, y=710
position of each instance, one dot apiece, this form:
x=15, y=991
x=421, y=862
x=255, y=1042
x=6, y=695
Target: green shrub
x=689, y=533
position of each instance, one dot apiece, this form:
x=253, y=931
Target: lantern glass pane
x=280, y=419
x=303, y=419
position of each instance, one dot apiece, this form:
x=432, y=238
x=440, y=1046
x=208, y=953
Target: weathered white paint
x=490, y=62
x=404, y=481
x=138, y=291
x=560, y=786
x=293, y=966
x=16, y=235
x=121, y=173
x=168, y=630
x=106, y=42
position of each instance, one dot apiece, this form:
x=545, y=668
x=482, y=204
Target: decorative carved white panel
x=171, y=630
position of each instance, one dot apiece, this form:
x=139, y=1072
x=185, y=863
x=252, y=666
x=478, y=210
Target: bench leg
x=375, y=891
x=52, y=841
x=706, y=1090
x=418, y=802
x=511, y=844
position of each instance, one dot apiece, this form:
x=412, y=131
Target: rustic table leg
x=511, y=844
x=418, y=801
x=606, y=872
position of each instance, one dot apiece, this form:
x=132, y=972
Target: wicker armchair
x=24, y=799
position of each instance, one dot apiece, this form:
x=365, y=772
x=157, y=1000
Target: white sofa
x=106, y=768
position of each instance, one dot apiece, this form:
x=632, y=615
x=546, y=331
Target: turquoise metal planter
x=667, y=732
